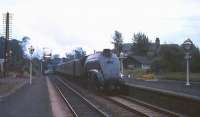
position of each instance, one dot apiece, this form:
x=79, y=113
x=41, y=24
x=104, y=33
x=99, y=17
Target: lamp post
x=187, y=45
x=47, y=54
x=121, y=57
x=1, y=63
x=41, y=65
x=31, y=50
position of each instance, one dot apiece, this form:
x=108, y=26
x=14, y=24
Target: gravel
x=9, y=85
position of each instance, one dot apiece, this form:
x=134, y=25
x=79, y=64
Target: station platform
x=178, y=87
x=29, y=101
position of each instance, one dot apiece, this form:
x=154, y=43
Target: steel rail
x=67, y=102
x=103, y=114
x=126, y=107
x=153, y=107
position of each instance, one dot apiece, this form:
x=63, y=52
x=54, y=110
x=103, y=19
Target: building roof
x=141, y=59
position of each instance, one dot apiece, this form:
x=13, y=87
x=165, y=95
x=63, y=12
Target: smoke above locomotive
x=101, y=69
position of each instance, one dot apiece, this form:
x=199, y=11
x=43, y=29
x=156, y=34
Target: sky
x=63, y=25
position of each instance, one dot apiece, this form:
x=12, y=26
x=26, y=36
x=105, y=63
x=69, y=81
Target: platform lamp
x=47, y=54
x=31, y=50
x=122, y=57
x=187, y=45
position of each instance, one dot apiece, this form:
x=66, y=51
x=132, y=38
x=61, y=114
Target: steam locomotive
x=100, y=70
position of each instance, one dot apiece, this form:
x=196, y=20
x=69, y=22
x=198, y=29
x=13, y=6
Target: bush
x=140, y=73
x=148, y=76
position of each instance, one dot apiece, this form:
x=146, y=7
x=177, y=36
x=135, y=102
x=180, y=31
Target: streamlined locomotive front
x=105, y=69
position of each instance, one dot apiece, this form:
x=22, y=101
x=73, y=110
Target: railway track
x=112, y=109
x=79, y=105
x=146, y=110
x=120, y=106
x=153, y=107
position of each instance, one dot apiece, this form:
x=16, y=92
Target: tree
x=16, y=59
x=171, y=59
x=56, y=56
x=195, y=64
x=157, y=46
x=69, y=56
x=118, y=41
x=24, y=43
x=140, y=43
x=79, y=52
x=76, y=54
x=55, y=59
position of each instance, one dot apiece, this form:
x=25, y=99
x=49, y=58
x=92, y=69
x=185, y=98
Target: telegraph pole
x=6, y=22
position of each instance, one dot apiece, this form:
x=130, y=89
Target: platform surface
x=168, y=85
x=29, y=101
